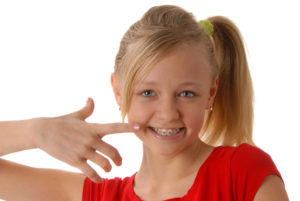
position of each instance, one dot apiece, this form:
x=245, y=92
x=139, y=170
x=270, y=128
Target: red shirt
x=228, y=174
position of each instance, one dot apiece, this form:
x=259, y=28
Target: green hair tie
x=207, y=26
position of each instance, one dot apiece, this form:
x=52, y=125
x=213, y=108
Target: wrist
x=34, y=128
x=17, y=135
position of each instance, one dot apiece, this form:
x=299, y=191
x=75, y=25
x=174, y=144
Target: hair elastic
x=207, y=26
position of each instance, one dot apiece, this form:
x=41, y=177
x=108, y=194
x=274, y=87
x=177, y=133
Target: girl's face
x=170, y=103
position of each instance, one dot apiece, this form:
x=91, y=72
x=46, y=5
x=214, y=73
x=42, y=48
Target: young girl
x=186, y=91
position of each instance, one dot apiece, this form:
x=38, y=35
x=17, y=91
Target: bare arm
x=68, y=138
x=19, y=182
x=15, y=136
x=272, y=189
x=22, y=183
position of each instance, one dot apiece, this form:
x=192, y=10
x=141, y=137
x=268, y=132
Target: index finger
x=112, y=128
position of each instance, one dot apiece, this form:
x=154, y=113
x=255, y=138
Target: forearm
x=19, y=182
x=17, y=135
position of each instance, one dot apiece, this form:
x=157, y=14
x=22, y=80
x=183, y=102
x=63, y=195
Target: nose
x=167, y=110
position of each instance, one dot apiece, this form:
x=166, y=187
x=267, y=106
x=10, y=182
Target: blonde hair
x=161, y=29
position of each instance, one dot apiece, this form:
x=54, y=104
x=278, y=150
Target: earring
x=119, y=108
x=211, y=108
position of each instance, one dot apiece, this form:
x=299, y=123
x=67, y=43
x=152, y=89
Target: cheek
x=194, y=118
x=139, y=114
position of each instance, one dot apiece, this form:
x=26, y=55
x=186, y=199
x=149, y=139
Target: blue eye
x=187, y=94
x=148, y=93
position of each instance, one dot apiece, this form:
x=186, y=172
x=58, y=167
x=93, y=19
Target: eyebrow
x=181, y=84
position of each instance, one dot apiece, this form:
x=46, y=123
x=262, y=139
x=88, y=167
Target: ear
x=212, y=93
x=116, y=86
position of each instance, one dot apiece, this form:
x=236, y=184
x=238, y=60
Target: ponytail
x=231, y=121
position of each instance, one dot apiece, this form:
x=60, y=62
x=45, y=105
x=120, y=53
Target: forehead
x=184, y=63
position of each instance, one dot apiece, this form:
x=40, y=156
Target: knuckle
x=115, y=155
x=88, y=139
x=90, y=173
x=85, y=168
x=78, y=162
x=98, y=128
x=106, y=165
x=85, y=151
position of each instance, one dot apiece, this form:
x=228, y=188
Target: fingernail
x=99, y=180
x=136, y=127
x=119, y=163
x=88, y=100
x=96, y=179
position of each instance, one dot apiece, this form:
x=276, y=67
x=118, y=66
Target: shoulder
x=241, y=163
x=243, y=160
x=248, y=159
x=271, y=189
x=250, y=166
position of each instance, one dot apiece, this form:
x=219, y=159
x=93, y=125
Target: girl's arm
x=19, y=182
x=22, y=183
x=272, y=189
x=16, y=136
x=68, y=138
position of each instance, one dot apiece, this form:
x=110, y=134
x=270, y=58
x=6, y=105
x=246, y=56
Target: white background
x=55, y=54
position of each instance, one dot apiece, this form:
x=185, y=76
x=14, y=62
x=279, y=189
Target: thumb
x=86, y=111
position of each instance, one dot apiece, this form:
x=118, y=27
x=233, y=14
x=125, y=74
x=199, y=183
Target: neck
x=157, y=168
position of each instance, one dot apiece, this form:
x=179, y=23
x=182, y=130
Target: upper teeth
x=166, y=132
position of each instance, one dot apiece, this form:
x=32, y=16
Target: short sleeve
x=108, y=190
x=250, y=166
x=91, y=190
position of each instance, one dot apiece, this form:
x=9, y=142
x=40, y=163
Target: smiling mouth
x=166, y=132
